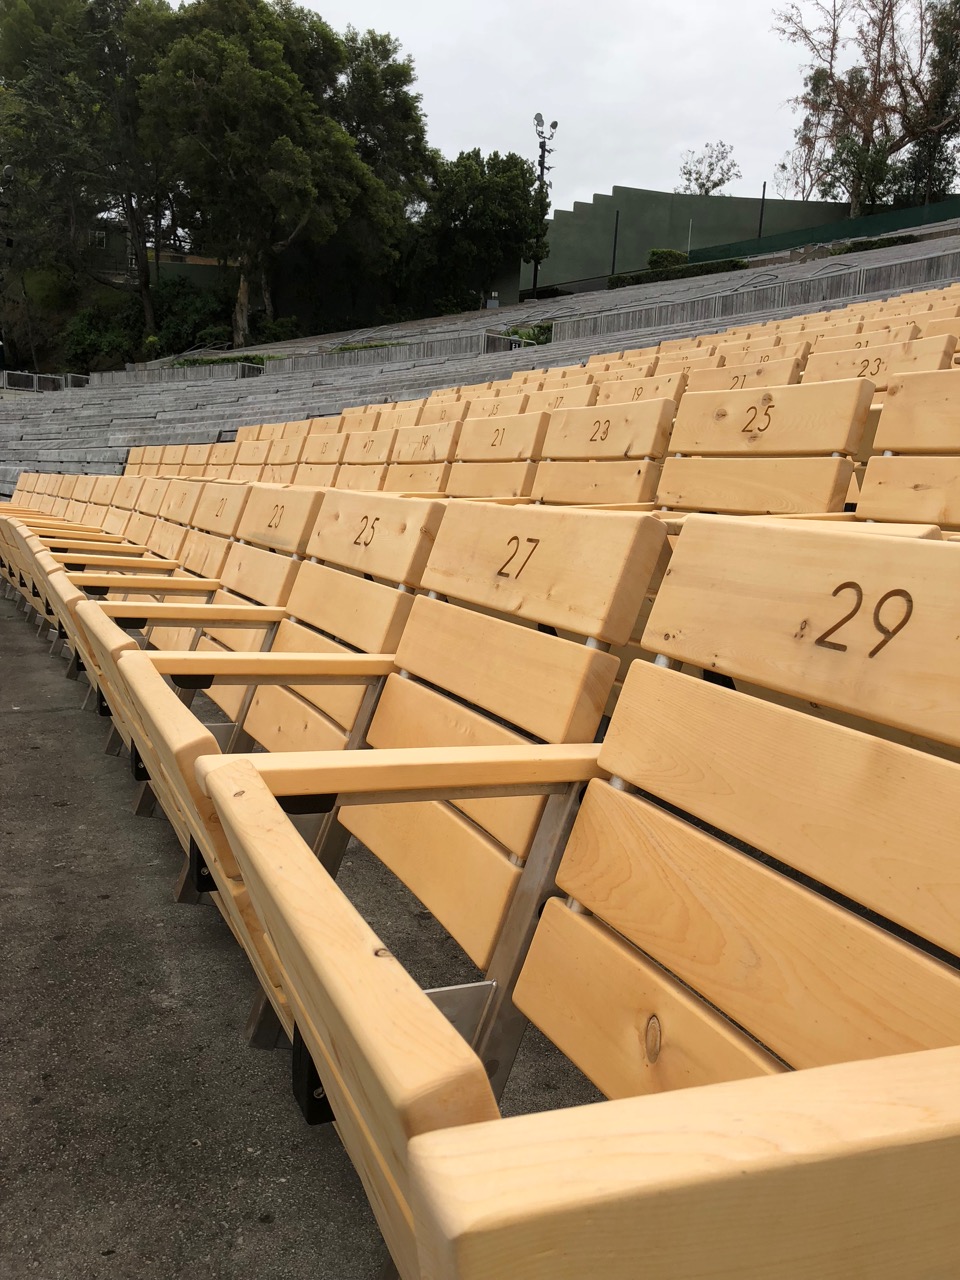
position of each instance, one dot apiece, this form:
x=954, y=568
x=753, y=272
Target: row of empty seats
x=738, y=932
x=784, y=450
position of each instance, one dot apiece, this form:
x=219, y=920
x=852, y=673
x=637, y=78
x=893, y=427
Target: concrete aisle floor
x=139, y=1135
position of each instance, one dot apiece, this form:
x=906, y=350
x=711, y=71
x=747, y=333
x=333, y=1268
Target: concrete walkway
x=139, y=1135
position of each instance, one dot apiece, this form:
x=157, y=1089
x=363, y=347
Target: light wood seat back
x=769, y=355
x=493, y=405
x=362, y=417
x=366, y=456
x=280, y=465
x=916, y=477
x=195, y=460
x=755, y=452
x=355, y=597
x=565, y=394
x=323, y=426
x=439, y=411
x=775, y=373
x=496, y=455
x=882, y=362
x=404, y=414
x=296, y=429
x=867, y=338
x=606, y=455
x=134, y=458
x=223, y=458
x=422, y=456
x=617, y=390
x=682, y=362
x=320, y=458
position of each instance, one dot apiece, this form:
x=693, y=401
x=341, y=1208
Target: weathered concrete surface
x=139, y=1135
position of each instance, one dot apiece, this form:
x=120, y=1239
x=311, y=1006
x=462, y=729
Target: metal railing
x=21, y=380
x=835, y=283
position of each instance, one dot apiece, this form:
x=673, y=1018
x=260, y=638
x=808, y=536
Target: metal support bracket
x=137, y=767
x=198, y=873
x=264, y=1030
x=299, y=805
x=307, y=1087
x=103, y=707
x=192, y=682
x=464, y=1006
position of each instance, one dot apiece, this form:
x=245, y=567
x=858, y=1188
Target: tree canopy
x=880, y=106
x=241, y=130
x=707, y=172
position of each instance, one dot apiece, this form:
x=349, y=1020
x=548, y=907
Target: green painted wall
x=581, y=239
x=871, y=225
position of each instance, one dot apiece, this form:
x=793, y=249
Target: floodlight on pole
x=546, y=137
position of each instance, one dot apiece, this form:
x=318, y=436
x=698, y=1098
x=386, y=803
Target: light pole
x=6, y=177
x=546, y=137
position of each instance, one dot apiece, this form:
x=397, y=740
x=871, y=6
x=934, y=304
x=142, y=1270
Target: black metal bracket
x=308, y=1089
x=718, y=678
x=198, y=873
x=97, y=593
x=298, y=806
x=137, y=767
x=192, y=682
x=103, y=709
x=131, y=624
x=74, y=568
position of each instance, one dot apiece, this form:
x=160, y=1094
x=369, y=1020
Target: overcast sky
x=632, y=85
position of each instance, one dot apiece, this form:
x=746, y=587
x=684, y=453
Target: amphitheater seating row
x=621, y=973
x=624, y=972
x=724, y=455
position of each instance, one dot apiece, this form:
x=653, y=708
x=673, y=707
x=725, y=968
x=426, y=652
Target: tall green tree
x=376, y=103
x=262, y=163
x=481, y=213
x=880, y=93
x=70, y=70
x=707, y=172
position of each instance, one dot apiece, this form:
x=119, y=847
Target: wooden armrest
x=97, y=561
x=63, y=529
x=834, y=517
x=63, y=535
x=851, y=1163
x=145, y=582
x=201, y=614
x=95, y=545
x=398, y=1066
x=497, y=770
x=200, y=670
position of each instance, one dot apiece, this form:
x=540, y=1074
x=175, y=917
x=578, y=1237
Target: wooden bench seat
x=408, y=712
x=761, y=915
